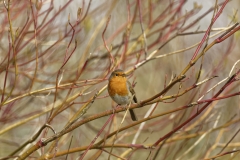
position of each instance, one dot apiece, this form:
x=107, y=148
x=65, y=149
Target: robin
x=121, y=91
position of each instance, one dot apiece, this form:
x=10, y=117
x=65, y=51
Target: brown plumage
x=121, y=91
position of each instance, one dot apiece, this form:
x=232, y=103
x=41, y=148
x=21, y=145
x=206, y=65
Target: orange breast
x=118, y=85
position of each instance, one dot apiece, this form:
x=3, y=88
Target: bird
x=121, y=91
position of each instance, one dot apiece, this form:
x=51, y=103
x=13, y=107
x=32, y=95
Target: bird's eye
x=117, y=74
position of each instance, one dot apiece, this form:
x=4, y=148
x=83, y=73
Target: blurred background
x=56, y=56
